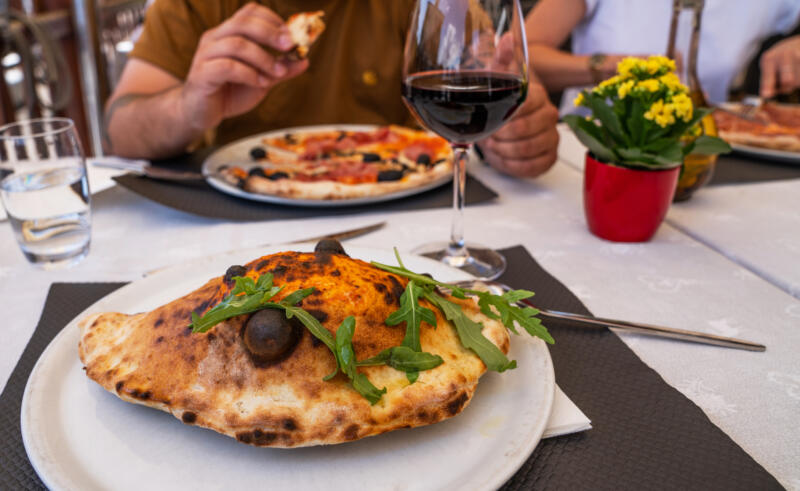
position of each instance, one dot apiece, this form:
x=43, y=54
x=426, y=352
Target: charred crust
x=159, y=339
x=261, y=265
x=256, y=437
x=456, y=405
x=158, y=322
x=380, y=287
x=188, y=417
x=278, y=270
x=289, y=424
x=135, y=393
x=235, y=270
x=211, y=336
x=351, y=432
x=119, y=386
x=397, y=288
x=336, y=272
x=318, y=314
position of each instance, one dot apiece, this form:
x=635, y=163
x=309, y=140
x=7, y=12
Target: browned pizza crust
x=331, y=190
x=210, y=379
x=771, y=126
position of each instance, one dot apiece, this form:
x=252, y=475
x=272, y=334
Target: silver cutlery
x=143, y=168
x=637, y=327
x=346, y=234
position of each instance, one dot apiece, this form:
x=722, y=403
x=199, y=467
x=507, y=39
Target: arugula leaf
x=469, y=332
x=404, y=359
x=346, y=359
x=413, y=314
x=510, y=313
x=247, y=296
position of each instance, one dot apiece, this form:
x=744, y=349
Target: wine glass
x=465, y=73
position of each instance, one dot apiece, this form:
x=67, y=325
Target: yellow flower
x=656, y=63
x=655, y=109
x=624, y=89
x=610, y=81
x=627, y=65
x=683, y=106
x=672, y=82
x=662, y=113
x=650, y=85
x=579, y=100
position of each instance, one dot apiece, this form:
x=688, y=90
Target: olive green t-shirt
x=355, y=66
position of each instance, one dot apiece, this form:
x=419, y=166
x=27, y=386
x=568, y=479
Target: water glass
x=45, y=190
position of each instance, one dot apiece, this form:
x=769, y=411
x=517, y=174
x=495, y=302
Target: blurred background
x=63, y=57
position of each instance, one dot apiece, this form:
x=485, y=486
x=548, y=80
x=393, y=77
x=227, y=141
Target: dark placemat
x=198, y=198
x=646, y=434
x=737, y=168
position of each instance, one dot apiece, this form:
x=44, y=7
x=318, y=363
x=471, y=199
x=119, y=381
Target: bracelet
x=595, y=61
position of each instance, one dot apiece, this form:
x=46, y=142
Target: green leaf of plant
x=413, y=314
x=709, y=145
x=404, y=359
x=510, y=313
x=609, y=119
x=247, y=296
x=634, y=122
x=346, y=358
x=469, y=332
x=579, y=126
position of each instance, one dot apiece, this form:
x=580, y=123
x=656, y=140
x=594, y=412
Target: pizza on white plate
x=343, y=164
x=772, y=126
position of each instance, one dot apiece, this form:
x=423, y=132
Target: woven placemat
x=198, y=198
x=736, y=168
x=646, y=435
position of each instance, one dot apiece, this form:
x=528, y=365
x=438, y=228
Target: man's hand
x=526, y=145
x=232, y=71
x=780, y=68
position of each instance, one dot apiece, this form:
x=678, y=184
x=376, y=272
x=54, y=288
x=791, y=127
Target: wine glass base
x=479, y=261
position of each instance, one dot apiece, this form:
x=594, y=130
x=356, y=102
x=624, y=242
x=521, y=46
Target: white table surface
x=673, y=280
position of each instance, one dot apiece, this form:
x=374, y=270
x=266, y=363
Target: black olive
x=257, y=171
x=277, y=175
x=234, y=271
x=258, y=153
x=268, y=335
x=370, y=157
x=424, y=159
x=390, y=175
x=330, y=245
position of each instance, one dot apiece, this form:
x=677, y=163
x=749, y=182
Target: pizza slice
x=304, y=29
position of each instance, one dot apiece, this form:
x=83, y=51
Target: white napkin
x=565, y=417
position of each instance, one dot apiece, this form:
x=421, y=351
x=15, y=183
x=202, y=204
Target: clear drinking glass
x=45, y=191
x=465, y=73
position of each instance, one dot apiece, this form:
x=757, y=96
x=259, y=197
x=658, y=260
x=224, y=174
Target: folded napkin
x=565, y=417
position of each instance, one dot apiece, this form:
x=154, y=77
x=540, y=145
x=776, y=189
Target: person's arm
x=548, y=25
x=780, y=68
x=153, y=114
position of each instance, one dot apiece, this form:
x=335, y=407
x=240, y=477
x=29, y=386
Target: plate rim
x=209, y=168
x=783, y=156
x=40, y=462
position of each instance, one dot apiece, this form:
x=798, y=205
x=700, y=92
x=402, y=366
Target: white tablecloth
x=673, y=280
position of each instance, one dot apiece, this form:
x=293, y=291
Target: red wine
x=464, y=107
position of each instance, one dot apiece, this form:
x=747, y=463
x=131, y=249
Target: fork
x=637, y=327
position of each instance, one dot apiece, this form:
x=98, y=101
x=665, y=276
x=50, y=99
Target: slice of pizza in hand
x=304, y=29
x=297, y=349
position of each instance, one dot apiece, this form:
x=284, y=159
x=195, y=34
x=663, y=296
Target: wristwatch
x=595, y=61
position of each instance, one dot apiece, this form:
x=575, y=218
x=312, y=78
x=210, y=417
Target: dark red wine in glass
x=464, y=106
x=465, y=73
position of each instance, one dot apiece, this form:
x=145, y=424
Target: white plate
x=238, y=153
x=768, y=153
x=78, y=436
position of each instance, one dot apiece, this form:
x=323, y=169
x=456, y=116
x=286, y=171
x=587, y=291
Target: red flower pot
x=626, y=205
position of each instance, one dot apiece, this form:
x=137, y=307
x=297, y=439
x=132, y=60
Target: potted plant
x=642, y=125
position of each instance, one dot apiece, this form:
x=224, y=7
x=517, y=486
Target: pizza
x=772, y=126
x=217, y=380
x=343, y=164
x=304, y=29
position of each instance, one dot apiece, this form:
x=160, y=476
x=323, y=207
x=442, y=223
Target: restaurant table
x=674, y=280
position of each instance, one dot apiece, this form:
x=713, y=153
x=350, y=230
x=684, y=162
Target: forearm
x=148, y=126
x=557, y=69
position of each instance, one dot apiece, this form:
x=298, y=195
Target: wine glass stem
x=456, y=247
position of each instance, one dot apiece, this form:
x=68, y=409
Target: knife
x=143, y=168
x=346, y=234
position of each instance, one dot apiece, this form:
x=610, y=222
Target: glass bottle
x=697, y=169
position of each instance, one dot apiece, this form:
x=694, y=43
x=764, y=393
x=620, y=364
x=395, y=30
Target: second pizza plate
x=238, y=153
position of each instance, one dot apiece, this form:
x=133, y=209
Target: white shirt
x=731, y=32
